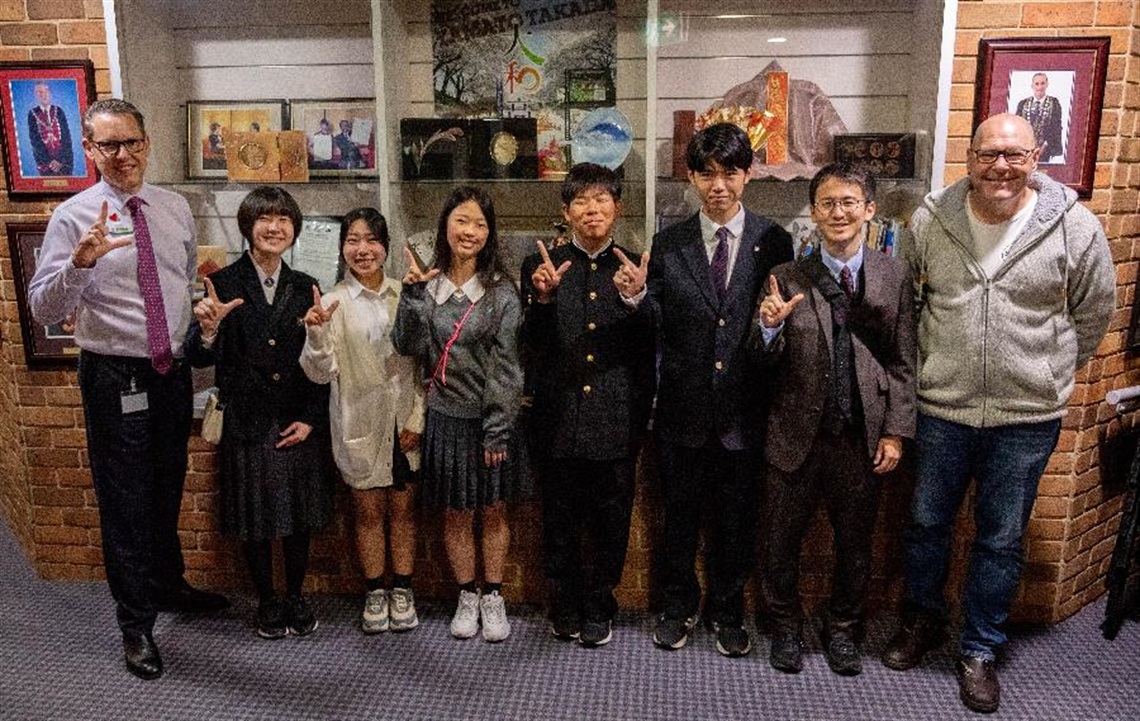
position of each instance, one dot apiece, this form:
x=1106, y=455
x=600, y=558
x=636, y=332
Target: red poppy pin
x=114, y=217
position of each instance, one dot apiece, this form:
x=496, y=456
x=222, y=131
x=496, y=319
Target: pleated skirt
x=453, y=474
x=269, y=492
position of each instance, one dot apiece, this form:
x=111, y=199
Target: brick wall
x=45, y=490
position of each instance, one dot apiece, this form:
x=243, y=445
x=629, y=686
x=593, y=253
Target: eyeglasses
x=1013, y=157
x=849, y=205
x=110, y=148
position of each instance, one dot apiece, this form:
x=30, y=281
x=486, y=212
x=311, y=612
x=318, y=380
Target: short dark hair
x=584, y=176
x=267, y=200
x=375, y=222
x=847, y=173
x=110, y=106
x=722, y=143
x=487, y=263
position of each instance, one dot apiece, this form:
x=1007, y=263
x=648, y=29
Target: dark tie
x=847, y=281
x=157, y=333
x=718, y=269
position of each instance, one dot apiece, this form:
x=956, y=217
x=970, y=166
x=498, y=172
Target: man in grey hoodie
x=1016, y=288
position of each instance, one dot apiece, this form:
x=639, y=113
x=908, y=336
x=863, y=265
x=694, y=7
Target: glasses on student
x=110, y=148
x=848, y=205
x=1012, y=157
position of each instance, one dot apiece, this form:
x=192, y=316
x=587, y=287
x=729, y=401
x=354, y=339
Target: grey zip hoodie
x=1004, y=350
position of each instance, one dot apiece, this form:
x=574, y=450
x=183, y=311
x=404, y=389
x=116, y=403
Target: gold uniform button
x=272, y=341
x=591, y=326
x=593, y=295
x=276, y=376
x=593, y=266
x=719, y=365
x=586, y=389
x=589, y=357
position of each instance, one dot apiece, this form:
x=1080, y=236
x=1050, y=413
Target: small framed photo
x=42, y=116
x=44, y=345
x=1057, y=84
x=881, y=155
x=210, y=122
x=340, y=135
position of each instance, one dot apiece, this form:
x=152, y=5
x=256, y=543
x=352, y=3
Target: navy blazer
x=257, y=353
x=883, y=336
x=705, y=390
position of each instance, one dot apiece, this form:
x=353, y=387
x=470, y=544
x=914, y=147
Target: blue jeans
x=1006, y=463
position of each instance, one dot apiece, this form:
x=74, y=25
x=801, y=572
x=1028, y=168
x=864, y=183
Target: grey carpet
x=61, y=658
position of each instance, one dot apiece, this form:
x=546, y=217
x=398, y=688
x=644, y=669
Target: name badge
x=133, y=400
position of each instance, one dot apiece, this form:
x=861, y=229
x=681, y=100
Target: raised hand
x=318, y=315
x=210, y=311
x=773, y=308
x=416, y=274
x=94, y=244
x=546, y=277
x=630, y=278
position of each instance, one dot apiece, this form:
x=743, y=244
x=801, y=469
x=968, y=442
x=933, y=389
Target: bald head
x=1004, y=124
x=1002, y=157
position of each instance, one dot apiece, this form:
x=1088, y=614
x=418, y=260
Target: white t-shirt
x=991, y=243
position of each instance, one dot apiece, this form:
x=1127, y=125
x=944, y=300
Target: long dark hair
x=376, y=224
x=488, y=266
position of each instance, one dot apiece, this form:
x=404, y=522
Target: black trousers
x=585, y=502
x=723, y=481
x=138, y=466
x=838, y=469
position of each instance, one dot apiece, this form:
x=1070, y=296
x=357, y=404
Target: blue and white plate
x=604, y=136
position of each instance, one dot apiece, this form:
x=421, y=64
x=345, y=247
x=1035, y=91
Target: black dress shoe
x=187, y=599
x=786, y=653
x=141, y=656
x=842, y=653
x=978, y=683
x=918, y=636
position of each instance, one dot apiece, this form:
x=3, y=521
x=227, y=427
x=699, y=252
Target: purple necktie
x=847, y=281
x=157, y=334
x=718, y=269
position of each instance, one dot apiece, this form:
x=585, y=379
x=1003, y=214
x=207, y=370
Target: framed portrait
x=42, y=114
x=44, y=345
x=209, y=122
x=340, y=135
x=1057, y=84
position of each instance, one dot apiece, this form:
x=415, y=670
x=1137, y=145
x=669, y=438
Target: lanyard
x=441, y=367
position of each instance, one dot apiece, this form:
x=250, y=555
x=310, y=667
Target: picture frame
x=208, y=122
x=340, y=135
x=42, y=135
x=44, y=345
x=1058, y=85
x=883, y=155
x=586, y=89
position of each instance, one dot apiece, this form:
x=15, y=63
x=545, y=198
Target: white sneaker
x=465, y=622
x=402, y=609
x=375, y=617
x=495, y=625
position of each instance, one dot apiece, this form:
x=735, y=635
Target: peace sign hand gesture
x=415, y=274
x=318, y=315
x=630, y=278
x=95, y=244
x=546, y=277
x=773, y=308
x=210, y=311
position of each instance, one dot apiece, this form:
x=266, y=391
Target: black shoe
x=673, y=633
x=786, y=653
x=916, y=637
x=566, y=627
x=842, y=653
x=141, y=655
x=272, y=621
x=187, y=599
x=978, y=683
x=596, y=633
x=300, y=617
x=732, y=640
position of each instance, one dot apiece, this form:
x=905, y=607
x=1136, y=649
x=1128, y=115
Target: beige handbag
x=212, y=419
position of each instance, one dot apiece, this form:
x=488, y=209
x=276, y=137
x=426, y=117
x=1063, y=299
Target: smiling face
x=467, y=232
x=1040, y=85
x=842, y=230
x=364, y=254
x=591, y=216
x=124, y=170
x=720, y=189
x=272, y=236
x=998, y=189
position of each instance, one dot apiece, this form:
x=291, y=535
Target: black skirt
x=269, y=492
x=453, y=474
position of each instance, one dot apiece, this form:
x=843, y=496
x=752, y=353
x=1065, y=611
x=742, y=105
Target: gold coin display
x=252, y=155
x=504, y=148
